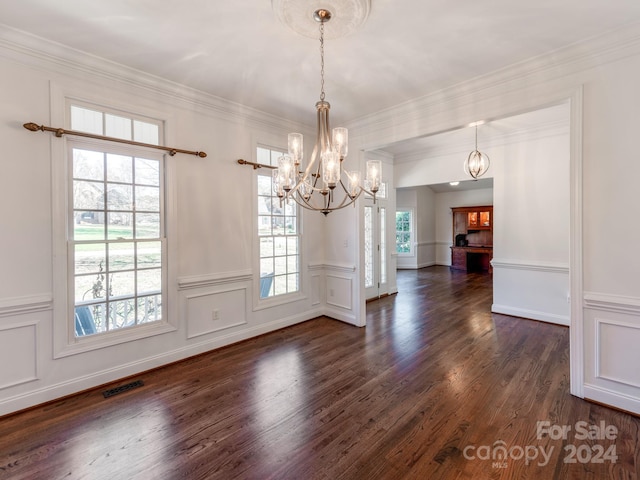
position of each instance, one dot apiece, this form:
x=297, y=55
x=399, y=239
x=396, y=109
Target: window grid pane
x=368, y=247
x=383, y=245
x=117, y=248
x=98, y=122
x=278, y=233
x=403, y=231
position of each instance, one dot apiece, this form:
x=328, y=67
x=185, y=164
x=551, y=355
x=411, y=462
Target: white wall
x=531, y=229
x=421, y=200
x=600, y=77
x=211, y=230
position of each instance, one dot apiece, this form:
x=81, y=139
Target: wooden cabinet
x=459, y=258
x=472, y=248
x=479, y=219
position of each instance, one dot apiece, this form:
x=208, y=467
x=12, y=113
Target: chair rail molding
x=337, y=267
x=24, y=305
x=612, y=303
x=206, y=280
x=531, y=265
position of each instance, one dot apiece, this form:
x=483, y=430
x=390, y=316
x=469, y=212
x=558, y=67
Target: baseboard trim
x=531, y=314
x=416, y=267
x=613, y=399
x=427, y=264
x=341, y=316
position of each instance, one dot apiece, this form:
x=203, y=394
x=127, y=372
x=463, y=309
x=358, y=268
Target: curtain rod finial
x=34, y=127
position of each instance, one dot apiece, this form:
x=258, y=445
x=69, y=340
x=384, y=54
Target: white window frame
x=65, y=342
x=281, y=299
x=412, y=226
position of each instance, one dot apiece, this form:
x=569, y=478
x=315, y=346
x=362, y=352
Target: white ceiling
x=238, y=49
x=465, y=185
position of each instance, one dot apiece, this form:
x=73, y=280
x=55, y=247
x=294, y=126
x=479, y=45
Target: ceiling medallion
x=348, y=15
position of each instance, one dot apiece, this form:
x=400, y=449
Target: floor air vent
x=122, y=388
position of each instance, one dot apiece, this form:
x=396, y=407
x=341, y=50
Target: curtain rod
x=255, y=165
x=34, y=127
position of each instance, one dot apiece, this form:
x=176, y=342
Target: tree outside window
x=404, y=232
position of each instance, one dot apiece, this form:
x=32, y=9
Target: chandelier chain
x=322, y=61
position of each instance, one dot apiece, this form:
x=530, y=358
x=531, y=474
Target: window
x=116, y=226
x=404, y=232
x=368, y=247
x=383, y=245
x=278, y=234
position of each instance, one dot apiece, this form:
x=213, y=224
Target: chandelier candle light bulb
x=286, y=170
x=296, y=147
x=317, y=186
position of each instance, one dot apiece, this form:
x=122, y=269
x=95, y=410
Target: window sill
x=270, y=302
x=103, y=340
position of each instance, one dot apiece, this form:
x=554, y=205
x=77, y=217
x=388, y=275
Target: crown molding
x=454, y=147
x=609, y=47
x=39, y=53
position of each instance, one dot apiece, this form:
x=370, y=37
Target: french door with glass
x=375, y=250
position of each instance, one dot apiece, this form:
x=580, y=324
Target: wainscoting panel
x=612, y=356
x=212, y=311
x=316, y=284
x=618, y=346
x=538, y=291
x=18, y=355
x=339, y=291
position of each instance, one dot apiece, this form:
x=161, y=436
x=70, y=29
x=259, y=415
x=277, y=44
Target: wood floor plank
x=433, y=383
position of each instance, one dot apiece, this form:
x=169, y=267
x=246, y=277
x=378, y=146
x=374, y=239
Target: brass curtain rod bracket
x=34, y=127
x=255, y=165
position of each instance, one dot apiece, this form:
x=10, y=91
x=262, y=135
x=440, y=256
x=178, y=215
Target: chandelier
x=477, y=163
x=324, y=185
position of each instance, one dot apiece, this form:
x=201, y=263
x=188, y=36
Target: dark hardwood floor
x=433, y=388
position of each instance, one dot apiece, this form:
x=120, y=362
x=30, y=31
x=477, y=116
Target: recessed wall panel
x=618, y=352
x=339, y=291
x=17, y=355
x=209, y=312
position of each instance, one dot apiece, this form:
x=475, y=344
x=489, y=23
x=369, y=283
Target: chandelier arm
x=312, y=160
x=344, y=203
x=304, y=203
x=344, y=189
x=300, y=200
x=347, y=201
